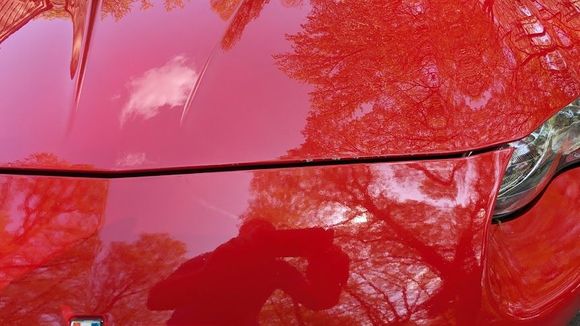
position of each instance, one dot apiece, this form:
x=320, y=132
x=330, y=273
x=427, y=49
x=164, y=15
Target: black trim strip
x=112, y=174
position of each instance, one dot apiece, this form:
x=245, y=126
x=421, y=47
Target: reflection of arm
x=179, y=286
x=291, y=281
x=326, y=275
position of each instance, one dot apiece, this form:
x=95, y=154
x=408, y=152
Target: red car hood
x=114, y=86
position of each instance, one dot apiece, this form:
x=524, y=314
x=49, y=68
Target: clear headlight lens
x=536, y=158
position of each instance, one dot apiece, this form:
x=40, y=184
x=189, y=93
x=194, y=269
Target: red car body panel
x=407, y=242
x=123, y=86
x=532, y=261
x=188, y=83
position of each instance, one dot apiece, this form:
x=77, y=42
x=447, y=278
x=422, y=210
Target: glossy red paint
x=532, y=270
x=183, y=83
x=400, y=242
x=109, y=85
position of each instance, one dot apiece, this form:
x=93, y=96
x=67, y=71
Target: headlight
x=536, y=158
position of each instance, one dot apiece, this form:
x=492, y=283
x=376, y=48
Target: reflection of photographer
x=229, y=285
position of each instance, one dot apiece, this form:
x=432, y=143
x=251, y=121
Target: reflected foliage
x=417, y=74
x=247, y=11
x=414, y=233
x=120, y=8
x=43, y=216
x=241, y=13
x=53, y=263
x=16, y=13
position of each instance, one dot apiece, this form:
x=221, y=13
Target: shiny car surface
x=288, y=162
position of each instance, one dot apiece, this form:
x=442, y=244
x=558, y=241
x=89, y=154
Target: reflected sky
x=313, y=79
x=330, y=79
x=131, y=159
x=164, y=87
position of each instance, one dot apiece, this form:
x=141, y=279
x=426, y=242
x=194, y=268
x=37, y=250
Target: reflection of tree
x=120, y=8
x=117, y=9
x=243, y=11
x=50, y=252
x=411, y=260
x=542, y=35
x=405, y=76
x=120, y=281
x=411, y=75
x=111, y=281
x=16, y=13
x=53, y=215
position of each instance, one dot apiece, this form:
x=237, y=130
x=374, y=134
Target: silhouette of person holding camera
x=229, y=285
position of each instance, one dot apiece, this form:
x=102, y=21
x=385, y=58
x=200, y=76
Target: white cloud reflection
x=167, y=86
x=131, y=160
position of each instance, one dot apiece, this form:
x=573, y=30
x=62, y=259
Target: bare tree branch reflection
x=407, y=252
x=51, y=252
